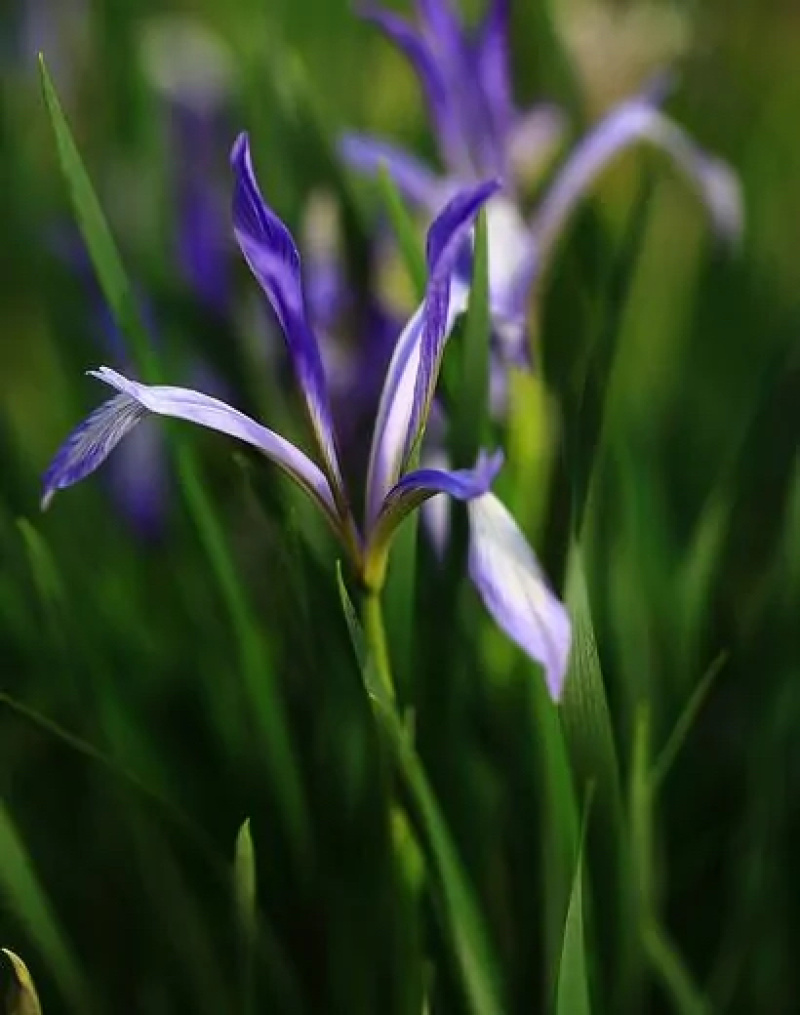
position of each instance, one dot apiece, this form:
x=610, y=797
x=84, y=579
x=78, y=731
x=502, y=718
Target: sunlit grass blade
x=25, y=896
x=22, y=998
x=256, y=666
x=472, y=397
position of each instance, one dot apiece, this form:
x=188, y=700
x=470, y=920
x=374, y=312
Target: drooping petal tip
x=90, y=443
x=514, y=590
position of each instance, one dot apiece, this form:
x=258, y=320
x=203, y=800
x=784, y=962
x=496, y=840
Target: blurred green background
x=148, y=707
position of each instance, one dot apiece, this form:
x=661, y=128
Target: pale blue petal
x=272, y=255
x=91, y=443
x=510, y=581
x=415, y=181
x=633, y=121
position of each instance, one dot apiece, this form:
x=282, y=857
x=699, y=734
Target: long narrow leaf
x=22, y=891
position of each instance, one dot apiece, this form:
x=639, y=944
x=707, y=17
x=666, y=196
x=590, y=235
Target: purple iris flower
x=466, y=80
x=505, y=575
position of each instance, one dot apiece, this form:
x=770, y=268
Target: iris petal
x=270, y=251
x=415, y=181
x=91, y=443
x=637, y=120
x=413, y=369
x=508, y=577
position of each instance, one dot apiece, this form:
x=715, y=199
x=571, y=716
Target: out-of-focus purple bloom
x=466, y=81
x=394, y=486
x=191, y=70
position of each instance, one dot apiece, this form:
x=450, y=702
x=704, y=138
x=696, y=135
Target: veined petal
x=446, y=238
x=422, y=58
x=638, y=120
x=414, y=179
x=405, y=400
x=505, y=572
x=419, y=486
x=91, y=443
x=270, y=251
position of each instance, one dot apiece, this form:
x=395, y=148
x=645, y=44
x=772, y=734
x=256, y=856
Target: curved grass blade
x=573, y=978
x=405, y=233
x=25, y=895
x=22, y=998
x=661, y=954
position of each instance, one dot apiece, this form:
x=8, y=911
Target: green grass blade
x=20, y=886
x=472, y=403
x=405, y=231
x=96, y=234
x=22, y=998
x=680, y=732
x=573, y=976
x=244, y=899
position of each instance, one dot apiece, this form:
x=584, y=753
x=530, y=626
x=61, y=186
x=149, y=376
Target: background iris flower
x=466, y=81
x=502, y=567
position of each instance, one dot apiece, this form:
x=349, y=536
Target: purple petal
x=404, y=402
x=505, y=572
x=632, y=121
x=428, y=68
x=419, y=486
x=414, y=179
x=493, y=70
x=272, y=255
x=446, y=238
x=91, y=443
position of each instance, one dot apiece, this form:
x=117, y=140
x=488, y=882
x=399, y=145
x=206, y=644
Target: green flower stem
x=375, y=634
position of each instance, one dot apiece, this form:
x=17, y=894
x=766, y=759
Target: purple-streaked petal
x=419, y=486
x=505, y=572
x=633, y=121
x=270, y=251
x=415, y=181
x=446, y=239
x=405, y=400
x=91, y=443
x=423, y=59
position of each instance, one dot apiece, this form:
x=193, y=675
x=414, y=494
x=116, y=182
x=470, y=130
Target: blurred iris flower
x=466, y=81
x=502, y=566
